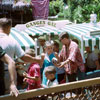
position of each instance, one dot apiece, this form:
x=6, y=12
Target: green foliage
x=80, y=10
x=55, y=7
x=27, y=1
x=77, y=14
x=61, y=14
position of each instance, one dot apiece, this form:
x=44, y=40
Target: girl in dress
x=49, y=55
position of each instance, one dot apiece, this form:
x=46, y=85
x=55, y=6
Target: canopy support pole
x=82, y=48
x=35, y=47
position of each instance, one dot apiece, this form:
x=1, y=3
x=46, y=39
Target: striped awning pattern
x=36, y=31
x=79, y=30
x=23, y=39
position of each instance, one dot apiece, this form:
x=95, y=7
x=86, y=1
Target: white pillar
x=36, y=46
x=82, y=48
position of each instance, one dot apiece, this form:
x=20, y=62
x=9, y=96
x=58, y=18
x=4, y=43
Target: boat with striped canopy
x=24, y=40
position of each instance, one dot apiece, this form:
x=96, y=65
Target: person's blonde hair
x=50, y=70
x=48, y=43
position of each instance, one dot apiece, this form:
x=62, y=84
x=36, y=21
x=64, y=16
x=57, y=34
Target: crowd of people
x=54, y=65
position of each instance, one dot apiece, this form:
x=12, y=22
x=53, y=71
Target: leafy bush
x=80, y=10
x=55, y=7
x=61, y=14
x=27, y=1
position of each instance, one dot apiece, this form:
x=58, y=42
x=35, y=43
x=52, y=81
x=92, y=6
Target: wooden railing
x=79, y=90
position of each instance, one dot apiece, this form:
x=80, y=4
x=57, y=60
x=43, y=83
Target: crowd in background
x=53, y=66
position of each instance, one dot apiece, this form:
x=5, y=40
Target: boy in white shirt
x=50, y=74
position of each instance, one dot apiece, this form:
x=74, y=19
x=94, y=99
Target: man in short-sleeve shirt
x=11, y=46
x=70, y=57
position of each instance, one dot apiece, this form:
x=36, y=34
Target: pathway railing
x=79, y=90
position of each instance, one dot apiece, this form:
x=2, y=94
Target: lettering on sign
x=40, y=23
